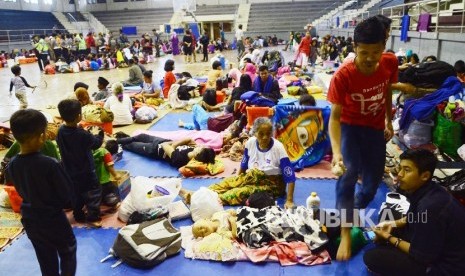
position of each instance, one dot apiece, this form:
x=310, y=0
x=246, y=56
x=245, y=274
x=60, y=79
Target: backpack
x=209, y=97
x=145, y=245
x=220, y=123
x=454, y=183
x=428, y=74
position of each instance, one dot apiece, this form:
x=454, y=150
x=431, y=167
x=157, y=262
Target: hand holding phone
x=369, y=235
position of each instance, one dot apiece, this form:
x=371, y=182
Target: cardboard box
x=124, y=184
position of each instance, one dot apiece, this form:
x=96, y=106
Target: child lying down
x=222, y=223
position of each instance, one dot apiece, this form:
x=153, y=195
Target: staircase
x=333, y=13
x=73, y=27
x=64, y=21
x=242, y=15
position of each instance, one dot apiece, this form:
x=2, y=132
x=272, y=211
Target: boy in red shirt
x=304, y=51
x=360, y=122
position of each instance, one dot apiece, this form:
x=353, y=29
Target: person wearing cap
x=103, y=92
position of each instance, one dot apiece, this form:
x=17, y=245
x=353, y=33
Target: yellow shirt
x=213, y=75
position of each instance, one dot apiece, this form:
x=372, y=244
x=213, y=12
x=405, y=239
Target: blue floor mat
x=170, y=121
x=139, y=165
x=19, y=259
x=93, y=245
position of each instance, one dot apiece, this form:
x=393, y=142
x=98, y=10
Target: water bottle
x=313, y=202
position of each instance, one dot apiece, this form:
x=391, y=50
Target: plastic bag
x=142, y=186
x=126, y=209
x=461, y=152
x=204, y=203
x=447, y=135
x=418, y=133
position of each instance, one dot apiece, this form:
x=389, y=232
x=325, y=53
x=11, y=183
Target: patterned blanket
x=260, y=227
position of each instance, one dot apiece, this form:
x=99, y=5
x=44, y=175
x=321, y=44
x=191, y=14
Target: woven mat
x=10, y=226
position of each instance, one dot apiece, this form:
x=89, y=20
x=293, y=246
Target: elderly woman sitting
x=265, y=167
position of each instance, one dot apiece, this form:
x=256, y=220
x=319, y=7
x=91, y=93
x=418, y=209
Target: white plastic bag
x=204, y=203
x=141, y=186
x=126, y=209
x=461, y=152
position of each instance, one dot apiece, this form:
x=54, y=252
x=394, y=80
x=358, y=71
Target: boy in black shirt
x=430, y=240
x=45, y=188
x=76, y=147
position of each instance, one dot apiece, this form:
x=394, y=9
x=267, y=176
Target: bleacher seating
x=21, y=20
x=75, y=16
x=357, y=5
x=215, y=10
x=145, y=20
x=284, y=17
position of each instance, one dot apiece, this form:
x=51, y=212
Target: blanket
x=303, y=130
x=195, y=167
x=221, y=249
x=422, y=108
x=206, y=138
x=261, y=227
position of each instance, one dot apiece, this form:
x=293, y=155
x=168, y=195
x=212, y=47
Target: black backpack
x=428, y=74
x=454, y=183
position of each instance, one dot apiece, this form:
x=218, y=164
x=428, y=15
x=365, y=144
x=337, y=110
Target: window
x=31, y=1
x=116, y=1
x=71, y=2
x=101, y=1
x=48, y=2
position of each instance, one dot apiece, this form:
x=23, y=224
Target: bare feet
x=185, y=196
x=344, y=251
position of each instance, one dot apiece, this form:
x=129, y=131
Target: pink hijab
x=235, y=74
x=251, y=70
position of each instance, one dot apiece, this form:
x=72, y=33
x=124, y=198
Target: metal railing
x=439, y=10
x=25, y=35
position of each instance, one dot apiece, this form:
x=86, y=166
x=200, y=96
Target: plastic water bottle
x=313, y=202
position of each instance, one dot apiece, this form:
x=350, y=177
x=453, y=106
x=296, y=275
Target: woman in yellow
x=120, y=59
x=214, y=74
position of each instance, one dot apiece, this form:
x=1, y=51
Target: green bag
x=357, y=238
x=447, y=135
